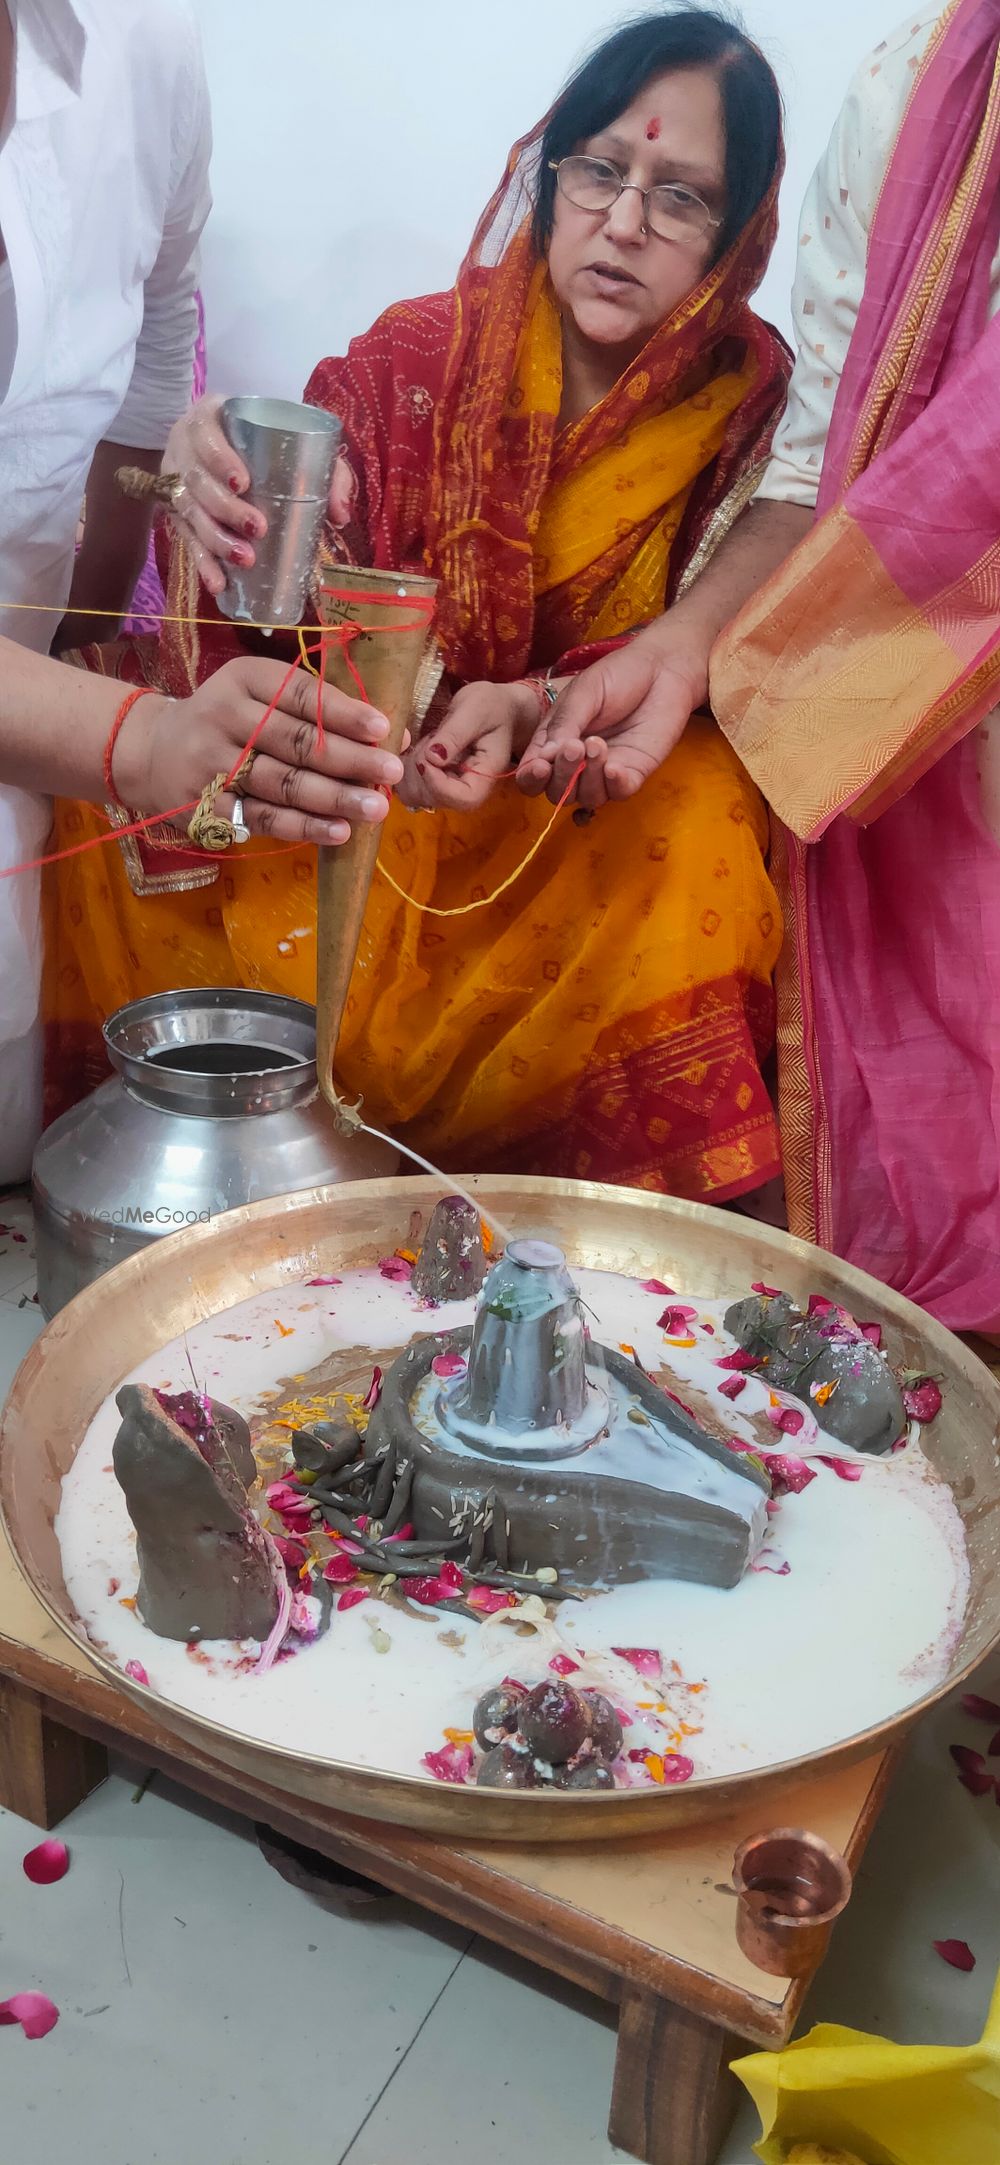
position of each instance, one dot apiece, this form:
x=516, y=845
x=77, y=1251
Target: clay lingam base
x=523, y=1435
x=205, y=1564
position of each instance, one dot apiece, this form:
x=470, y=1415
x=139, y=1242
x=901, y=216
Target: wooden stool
x=647, y=1924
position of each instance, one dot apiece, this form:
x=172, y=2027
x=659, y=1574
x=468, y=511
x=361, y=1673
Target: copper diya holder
x=95, y=1342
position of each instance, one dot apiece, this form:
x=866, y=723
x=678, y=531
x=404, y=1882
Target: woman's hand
x=621, y=717
x=219, y=527
x=297, y=790
x=485, y=729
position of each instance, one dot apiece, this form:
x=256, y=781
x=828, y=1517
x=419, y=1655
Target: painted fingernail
x=372, y=806
x=240, y=554
x=437, y=751
x=251, y=526
x=236, y=484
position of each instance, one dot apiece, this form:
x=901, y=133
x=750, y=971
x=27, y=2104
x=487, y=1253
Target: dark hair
x=605, y=85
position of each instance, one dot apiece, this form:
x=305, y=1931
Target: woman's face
x=617, y=281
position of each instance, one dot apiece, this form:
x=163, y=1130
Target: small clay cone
x=451, y=1265
x=205, y=1567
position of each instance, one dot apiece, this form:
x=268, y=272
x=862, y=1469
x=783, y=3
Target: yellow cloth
x=888, y=2104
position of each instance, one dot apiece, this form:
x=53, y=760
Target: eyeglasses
x=671, y=211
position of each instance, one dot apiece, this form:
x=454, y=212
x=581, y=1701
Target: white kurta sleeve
x=160, y=388
x=833, y=245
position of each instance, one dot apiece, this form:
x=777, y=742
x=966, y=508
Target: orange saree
x=609, y=1015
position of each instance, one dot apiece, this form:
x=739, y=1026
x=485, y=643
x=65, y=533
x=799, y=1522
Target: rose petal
x=292, y=1553
x=732, y=1386
x=788, y=1475
x=44, y=1865
x=374, y=1391
x=447, y=1586
x=453, y=1763
x=135, y=1670
x=740, y=1360
x=787, y=1418
x=646, y=1660
x=675, y=1320
x=341, y=1570
x=819, y=1305
x=767, y=1292
x=993, y=1747
x=36, y=2014
x=873, y=1333
x=844, y=1468
x=449, y=1364
x=489, y=1600
x=656, y=1285
x=979, y=1709
x=350, y=1599
x=324, y=1281
x=778, y=1568
x=923, y=1399
x=396, y=1268
x=563, y=1666
x=956, y=1952
x=973, y=1772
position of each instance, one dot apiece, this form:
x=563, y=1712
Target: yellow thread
x=464, y=909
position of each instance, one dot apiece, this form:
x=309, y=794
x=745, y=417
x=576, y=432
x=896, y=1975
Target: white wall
x=356, y=144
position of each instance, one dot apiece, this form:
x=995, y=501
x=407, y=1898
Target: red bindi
x=653, y=130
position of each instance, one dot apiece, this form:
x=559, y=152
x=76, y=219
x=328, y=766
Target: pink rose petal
x=563, y=1666
x=646, y=1660
x=767, y=1292
x=453, y=1763
x=44, y=1865
x=374, y=1391
x=292, y=1553
x=979, y=1709
x=341, y=1570
x=447, y=1586
x=656, y=1285
x=787, y=1418
x=675, y=1321
x=740, y=1360
x=677, y=1767
x=767, y=1561
x=873, y=1333
x=449, y=1364
x=350, y=1599
x=324, y=1281
x=396, y=1268
x=291, y=1505
x=732, y=1386
x=488, y=1600
x=135, y=1670
x=956, y=1952
x=788, y=1475
x=923, y=1399
x=845, y=1469
x=973, y=1772
x=36, y=2014
x=819, y=1305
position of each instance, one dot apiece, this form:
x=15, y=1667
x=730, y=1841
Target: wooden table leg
x=673, y=2096
x=45, y=1770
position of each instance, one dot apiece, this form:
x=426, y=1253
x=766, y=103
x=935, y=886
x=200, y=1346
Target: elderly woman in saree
x=561, y=439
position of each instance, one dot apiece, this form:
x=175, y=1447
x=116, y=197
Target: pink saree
x=851, y=687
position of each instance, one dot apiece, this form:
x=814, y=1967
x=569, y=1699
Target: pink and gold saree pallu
x=851, y=687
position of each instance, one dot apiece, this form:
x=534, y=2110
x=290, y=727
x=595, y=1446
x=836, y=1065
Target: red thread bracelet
x=124, y=711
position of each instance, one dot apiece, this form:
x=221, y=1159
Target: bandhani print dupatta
x=851, y=687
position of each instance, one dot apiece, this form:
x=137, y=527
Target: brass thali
x=153, y=1298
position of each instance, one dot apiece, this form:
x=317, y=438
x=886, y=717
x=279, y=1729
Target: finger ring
x=241, y=832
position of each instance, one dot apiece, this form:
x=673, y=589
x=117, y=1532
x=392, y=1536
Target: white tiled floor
x=213, y=2015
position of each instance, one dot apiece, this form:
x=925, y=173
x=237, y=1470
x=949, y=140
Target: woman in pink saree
x=852, y=687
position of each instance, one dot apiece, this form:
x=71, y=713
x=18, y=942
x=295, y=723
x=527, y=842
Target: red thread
x=142, y=691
